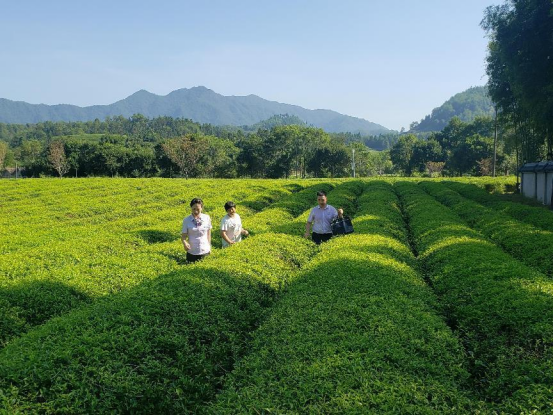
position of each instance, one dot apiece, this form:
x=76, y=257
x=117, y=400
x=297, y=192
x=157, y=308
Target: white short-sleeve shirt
x=232, y=227
x=322, y=218
x=197, y=230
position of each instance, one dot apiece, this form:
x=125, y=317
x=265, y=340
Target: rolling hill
x=466, y=105
x=199, y=104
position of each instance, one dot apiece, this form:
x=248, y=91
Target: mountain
x=199, y=104
x=466, y=105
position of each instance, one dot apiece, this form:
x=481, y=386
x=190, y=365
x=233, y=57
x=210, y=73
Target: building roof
x=538, y=167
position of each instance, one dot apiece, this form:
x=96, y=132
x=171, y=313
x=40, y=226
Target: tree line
x=173, y=147
x=461, y=148
x=520, y=74
x=167, y=147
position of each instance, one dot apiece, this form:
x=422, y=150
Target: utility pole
x=494, y=145
x=16, y=170
x=353, y=161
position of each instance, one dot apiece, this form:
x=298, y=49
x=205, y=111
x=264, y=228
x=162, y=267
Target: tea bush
x=539, y=216
x=286, y=211
x=357, y=332
x=167, y=342
x=525, y=242
x=71, y=242
x=501, y=309
x=160, y=347
x=273, y=324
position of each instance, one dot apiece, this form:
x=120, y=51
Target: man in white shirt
x=231, y=226
x=321, y=217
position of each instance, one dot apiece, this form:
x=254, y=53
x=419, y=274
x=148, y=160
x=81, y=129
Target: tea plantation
x=441, y=301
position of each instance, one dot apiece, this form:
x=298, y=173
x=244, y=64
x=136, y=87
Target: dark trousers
x=193, y=258
x=318, y=238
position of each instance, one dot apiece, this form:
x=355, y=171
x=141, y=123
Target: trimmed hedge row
x=357, y=332
x=162, y=347
x=501, y=309
x=72, y=266
x=539, y=216
x=381, y=213
x=258, y=198
x=498, y=184
x=525, y=242
x=117, y=205
x=205, y=327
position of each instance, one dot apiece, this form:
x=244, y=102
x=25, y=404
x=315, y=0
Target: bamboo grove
x=520, y=73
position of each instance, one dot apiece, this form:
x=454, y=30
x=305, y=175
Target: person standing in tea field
x=321, y=217
x=197, y=229
x=231, y=226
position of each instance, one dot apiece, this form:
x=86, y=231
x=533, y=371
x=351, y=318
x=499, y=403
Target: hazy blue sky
x=390, y=62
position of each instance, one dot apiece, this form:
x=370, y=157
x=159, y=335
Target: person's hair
x=321, y=193
x=229, y=205
x=197, y=200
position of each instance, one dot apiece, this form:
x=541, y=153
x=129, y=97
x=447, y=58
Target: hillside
x=199, y=104
x=466, y=105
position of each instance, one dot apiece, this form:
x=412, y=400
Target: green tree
x=402, y=151
x=113, y=154
x=279, y=150
x=378, y=163
x=467, y=154
x=425, y=151
x=360, y=155
x=3, y=154
x=330, y=159
x=306, y=142
x=73, y=153
x=451, y=135
x=220, y=158
x=251, y=160
x=141, y=162
x=33, y=157
x=520, y=68
x=186, y=152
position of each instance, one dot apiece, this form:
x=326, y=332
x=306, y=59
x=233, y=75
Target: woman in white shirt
x=197, y=229
x=231, y=226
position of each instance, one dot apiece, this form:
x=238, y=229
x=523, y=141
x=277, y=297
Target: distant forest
x=281, y=146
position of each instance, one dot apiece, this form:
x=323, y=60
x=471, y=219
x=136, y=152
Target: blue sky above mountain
x=387, y=62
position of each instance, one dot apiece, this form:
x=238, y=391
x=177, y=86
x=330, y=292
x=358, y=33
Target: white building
x=537, y=181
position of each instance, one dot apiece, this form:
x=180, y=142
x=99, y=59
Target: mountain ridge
x=198, y=103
